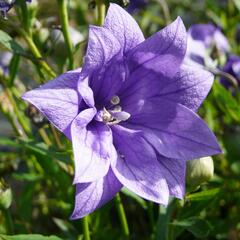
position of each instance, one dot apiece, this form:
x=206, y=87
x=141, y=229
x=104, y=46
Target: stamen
x=115, y=100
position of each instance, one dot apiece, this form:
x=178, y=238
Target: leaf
x=198, y=227
x=204, y=195
x=28, y=237
x=7, y=42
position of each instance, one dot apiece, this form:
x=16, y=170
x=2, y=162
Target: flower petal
x=174, y=130
x=189, y=87
x=174, y=172
x=92, y=146
x=90, y=196
x=103, y=64
x=58, y=100
x=124, y=27
x=137, y=167
x=162, y=53
x=102, y=47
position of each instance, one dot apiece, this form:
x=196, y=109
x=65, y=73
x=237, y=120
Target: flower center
x=114, y=114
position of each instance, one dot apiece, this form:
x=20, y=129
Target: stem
x=45, y=137
x=21, y=119
x=122, y=215
x=165, y=9
x=38, y=55
x=101, y=9
x=56, y=137
x=86, y=232
x=63, y=13
x=9, y=222
x=231, y=79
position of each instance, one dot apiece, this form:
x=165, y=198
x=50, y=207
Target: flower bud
x=5, y=196
x=199, y=171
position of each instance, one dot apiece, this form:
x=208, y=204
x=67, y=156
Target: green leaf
x=28, y=237
x=198, y=227
x=7, y=42
x=204, y=195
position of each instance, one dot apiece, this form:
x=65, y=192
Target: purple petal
x=174, y=172
x=104, y=64
x=124, y=27
x=189, y=87
x=90, y=196
x=92, y=146
x=137, y=167
x=174, y=130
x=102, y=47
x=86, y=92
x=58, y=100
x=163, y=52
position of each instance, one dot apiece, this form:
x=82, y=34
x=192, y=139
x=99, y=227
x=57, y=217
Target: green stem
x=122, y=215
x=86, y=232
x=38, y=55
x=63, y=13
x=101, y=10
x=8, y=220
x=21, y=119
x=25, y=16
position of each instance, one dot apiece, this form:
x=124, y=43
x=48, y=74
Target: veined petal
x=137, y=167
x=188, y=87
x=174, y=130
x=162, y=53
x=124, y=27
x=104, y=64
x=102, y=47
x=58, y=100
x=90, y=196
x=174, y=171
x=92, y=146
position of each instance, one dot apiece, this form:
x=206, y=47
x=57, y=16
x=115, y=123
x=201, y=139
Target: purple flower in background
x=202, y=39
x=135, y=5
x=5, y=59
x=232, y=67
x=6, y=5
x=130, y=113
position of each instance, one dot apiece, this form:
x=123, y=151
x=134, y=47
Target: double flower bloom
x=130, y=112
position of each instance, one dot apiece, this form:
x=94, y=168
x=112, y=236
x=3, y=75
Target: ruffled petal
x=137, y=167
x=163, y=52
x=174, y=130
x=124, y=27
x=90, y=196
x=174, y=172
x=58, y=100
x=92, y=146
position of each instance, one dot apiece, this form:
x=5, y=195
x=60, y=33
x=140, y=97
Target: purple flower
x=202, y=39
x=130, y=113
x=6, y=5
x=135, y=5
x=5, y=59
x=232, y=67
